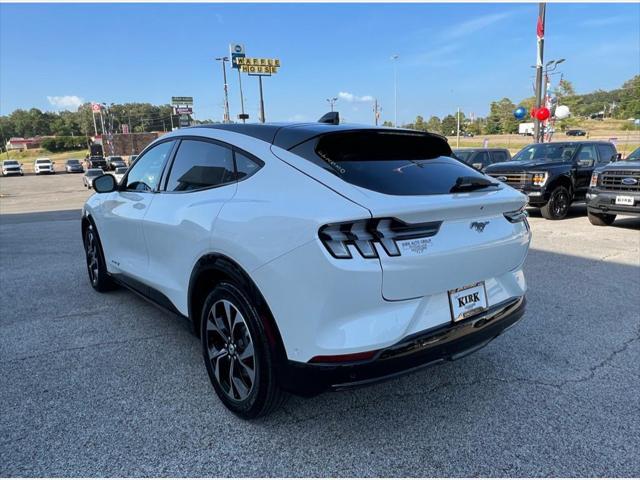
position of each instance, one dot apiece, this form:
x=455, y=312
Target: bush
x=64, y=144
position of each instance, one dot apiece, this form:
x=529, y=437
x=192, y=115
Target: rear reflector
x=350, y=357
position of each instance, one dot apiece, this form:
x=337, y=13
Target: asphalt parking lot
x=108, y=385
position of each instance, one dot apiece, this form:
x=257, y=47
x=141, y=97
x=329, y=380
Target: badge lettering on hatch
x=416, y=246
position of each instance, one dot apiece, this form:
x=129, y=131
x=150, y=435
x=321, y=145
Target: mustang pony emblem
x=478, y=226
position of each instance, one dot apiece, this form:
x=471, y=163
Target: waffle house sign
x=258, y=66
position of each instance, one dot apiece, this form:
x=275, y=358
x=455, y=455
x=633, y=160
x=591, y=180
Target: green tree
x=434, y=125
x=449, y=125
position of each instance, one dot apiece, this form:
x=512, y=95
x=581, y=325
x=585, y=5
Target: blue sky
x=450, y=54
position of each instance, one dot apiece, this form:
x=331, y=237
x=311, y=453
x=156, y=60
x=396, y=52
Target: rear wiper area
x=469, y=184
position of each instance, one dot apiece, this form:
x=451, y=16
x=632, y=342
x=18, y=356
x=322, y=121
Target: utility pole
x=332, y=102
x=539, y=65
x=395, y=88
x=227, y=119
x=376, y=111
x=262, y=119
x=241, y=95
x=458, y=129
x=171, y=117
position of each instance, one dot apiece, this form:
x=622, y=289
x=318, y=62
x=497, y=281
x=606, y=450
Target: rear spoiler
x=331, y=118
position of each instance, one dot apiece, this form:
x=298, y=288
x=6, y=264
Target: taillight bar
x=364, y=234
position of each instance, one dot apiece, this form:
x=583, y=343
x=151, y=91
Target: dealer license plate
x=624, y=200
x=467, y=301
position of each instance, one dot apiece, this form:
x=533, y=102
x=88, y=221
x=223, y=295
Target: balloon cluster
x=542, y=113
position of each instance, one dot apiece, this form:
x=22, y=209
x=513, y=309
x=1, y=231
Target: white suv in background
x=43, y=165
x=312, y=256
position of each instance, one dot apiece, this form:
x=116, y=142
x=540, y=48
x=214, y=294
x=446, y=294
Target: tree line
x=621, y=103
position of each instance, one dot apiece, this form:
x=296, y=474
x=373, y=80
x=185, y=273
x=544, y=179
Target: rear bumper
x=425, y=348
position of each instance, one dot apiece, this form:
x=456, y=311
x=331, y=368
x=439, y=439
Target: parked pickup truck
x=554, y=175
x=95, y=161
x=615, y=190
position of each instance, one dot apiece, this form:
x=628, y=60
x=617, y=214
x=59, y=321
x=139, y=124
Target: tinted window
x=463, y=155
x=246, y=166
x=546, y=152
x=145, y=173
x=389, y=162
x=481, y=158
x=499, y=156
x=607, y=153
x=200, y=165
x=587, y=152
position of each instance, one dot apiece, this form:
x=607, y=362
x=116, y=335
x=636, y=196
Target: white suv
x=312, y=256
x=43, y=165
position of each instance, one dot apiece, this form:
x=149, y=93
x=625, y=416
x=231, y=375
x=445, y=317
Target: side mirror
x=53, y=163
x=104, y=184
x=588, y=162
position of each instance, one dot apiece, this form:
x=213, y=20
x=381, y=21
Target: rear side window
x=607, y=153
x=499, y=156
x=394, y=163
x=200, y=165
x=246, y=166
x=482, y=159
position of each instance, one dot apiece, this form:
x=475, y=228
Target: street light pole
x=332, y=102
x=262, y=119
x=395, y=88
x=539, y=66
x=227, y=119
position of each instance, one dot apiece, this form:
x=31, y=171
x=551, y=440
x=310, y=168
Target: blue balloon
x=520, y=113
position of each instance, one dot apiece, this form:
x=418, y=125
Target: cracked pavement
x=108, y=385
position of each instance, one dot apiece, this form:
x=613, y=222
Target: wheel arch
x=214, y=268
x=564, y=180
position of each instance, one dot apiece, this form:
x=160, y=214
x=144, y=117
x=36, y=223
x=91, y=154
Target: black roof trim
x=289, y=135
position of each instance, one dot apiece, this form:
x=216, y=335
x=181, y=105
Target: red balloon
x=543, y=113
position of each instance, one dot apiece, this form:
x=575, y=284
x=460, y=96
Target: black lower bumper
x=417, y=351
x=605, y=202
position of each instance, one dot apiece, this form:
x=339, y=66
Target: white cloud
x=298, y=117
x=471, y=26
x=66, y=102
x=351, y=98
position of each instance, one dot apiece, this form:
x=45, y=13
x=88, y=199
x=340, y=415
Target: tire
x=601, y=219
x=247, y=392
x=96, y=266
x=558, y=205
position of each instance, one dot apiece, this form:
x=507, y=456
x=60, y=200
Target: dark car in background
x=114, y=162
x=73, y=166
x=554, y=175
x=615, y=190
x=481, y=158
x=576, y=132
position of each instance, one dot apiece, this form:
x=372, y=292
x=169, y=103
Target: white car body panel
x=268, y=224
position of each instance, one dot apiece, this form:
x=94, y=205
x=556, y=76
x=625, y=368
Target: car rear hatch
x=446, y=220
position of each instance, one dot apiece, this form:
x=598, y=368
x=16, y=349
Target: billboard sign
x=258, y=66
x=181, y=100
x=183, y=110
x=236, y=50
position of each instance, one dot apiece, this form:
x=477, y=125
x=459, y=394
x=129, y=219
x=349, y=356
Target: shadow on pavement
x=53, y=216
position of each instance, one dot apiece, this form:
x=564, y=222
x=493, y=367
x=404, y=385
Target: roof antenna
x=331, y=118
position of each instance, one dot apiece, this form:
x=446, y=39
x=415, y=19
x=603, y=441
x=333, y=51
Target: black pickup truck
x=554, y=175
x=615, y=190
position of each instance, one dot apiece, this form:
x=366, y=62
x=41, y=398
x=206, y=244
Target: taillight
x=365, y=234
x=594, y=180
x=517, y=216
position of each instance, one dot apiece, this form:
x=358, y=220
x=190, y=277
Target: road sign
x=183, y=110
x=236, y=50
x=181, y=100
x=96, y=107
x=243, y=116
x=258, y=66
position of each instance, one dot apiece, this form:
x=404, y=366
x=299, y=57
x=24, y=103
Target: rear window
x=394, y=163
